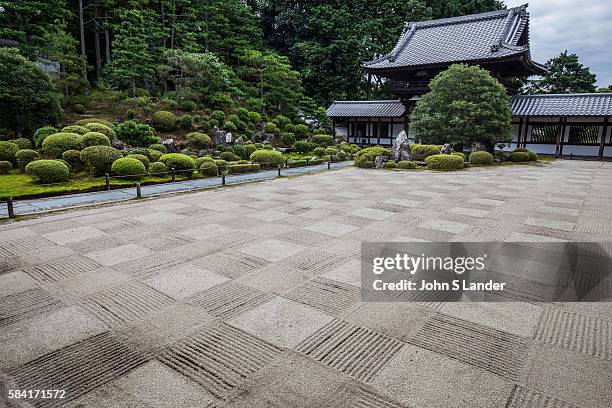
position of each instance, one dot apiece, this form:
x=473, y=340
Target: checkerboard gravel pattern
x=248, y=296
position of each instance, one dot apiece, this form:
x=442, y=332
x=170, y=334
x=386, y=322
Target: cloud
x=582, y=27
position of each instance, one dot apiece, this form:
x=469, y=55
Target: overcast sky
x=583, y=27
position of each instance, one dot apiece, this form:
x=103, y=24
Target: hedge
x=421, y=152
x=481, y=158
x=314, y=162
x=48, y=171
x=460, y=154
x=94, y=139
x=229, y=156
x=242, y=168
x=101, y=128
x=519, y=157
x=25, y=156
x=155, y=155
x=73, y=158
x=178, y=161
x=198, y=162
x=158, y=167
x=159, y=147
x=80, y=130
x=141, y=158
x=322, y=140
x=222, y=164
x=319, y=151
x=301, y=146
x=390, y=164
x=532, y=156
x=8, y=150
x=23, y=143
x=128, y=168
x=444, y=162
x=406, y=165
x=297, y=163
x=267, y=158
x=58, y=143
x=209, y=169
x=521, y=149
x=100, y=159
x=164, y=120
x=330, y=151
x=42, y=133
x=5, y=166
x=198, y=140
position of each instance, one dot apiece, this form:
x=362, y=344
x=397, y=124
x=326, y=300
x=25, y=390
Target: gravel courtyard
x=248, y=296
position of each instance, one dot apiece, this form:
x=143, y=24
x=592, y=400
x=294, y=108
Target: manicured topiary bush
x=154, y=155
x=136, y=134
x=239, y=151
x=5, y=166
x=267, y=158
x=365, y=158
x=330, y=151
x=159, y=147
x=322, y=140
x=218, y=115
x=8, y=150
x=390, y=164
x=319, y=151
x=519, y=157
x=230, y=127
x=104, y=122
x=58, y=143
x=158, y=167
x=100, y=158
x=242, y=168
x=209, y=169
x=42, y=133
x=101, y=128
x=185, y=121
x=25, y=156
x=204, y=159
x=198, y=140
x=23, y=143
x=249, y=149
x=48, y=171
x=141, y=158
x=406, y=165
x=180, y=162
x=421, y=152
x=229, y=156
x=481, y=158
x=128, y=168
x=301, y=146
x=222, y=164
x=94, y=139
x=73, y=158
x=297, y=163
x=164, y=120
x=521, y=149
x=81, y=130
x=288, y=139
x=444, y=162
x=188, y=106
x=460, y=154
x=258, y=146
x=532, y=156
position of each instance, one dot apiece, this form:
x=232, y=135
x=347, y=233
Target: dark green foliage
x=198, y=162
x=23, y=143
x=208, y=169
x=330, y=151
x=281, y=122
x=222, y=164
x=267, y=158
x=189, y=106
x=565, y=75
x=406, y=165
x=73, y=158
x=272, y=128
x=301, y=131
x=532, y=156
x=322, y=140
x=288, y=139
x=154, y=155
x=185, y=121
x=141, y=158
x=301, y=146
x=421, y=152
x=136, y=134
x=164, y=120
x=249, y=149
x=230, y=127
x=8, y=150
x=5, y=166
x=319, y=151
x=519, y=157
x=218, y=115
x=101, y=128
x=481, y=158
x=94, y=139
x=229, y=156
x=521, y=149
x=48, y=171
x=128, y=168
x=239, y=151
x=158, y=147
x=242, y=168
x=390, y=164
x=28, y=98
x=58, y=143
x=297, y=163
x=444, y=162
x=198, y=140
x=81, y=130
x=42, y=133
x=180, y=162
x=158, y=167
x=100, y=158
x=25, y=156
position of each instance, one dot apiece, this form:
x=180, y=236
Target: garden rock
x=380, y=161
x=446, y=149
x=219, y=136
x=239, y=141
x=170, y=146
x=401, y=148
x=118, y=144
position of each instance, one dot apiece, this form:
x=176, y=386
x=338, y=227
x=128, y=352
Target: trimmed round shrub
x=258, y=146
x=48, y=171
x=155, y=155
x=481, y=158
x=5, y=166
x=198, y=140
x=222, y=164
x=73, y=158
x=521, y=149
x=23, y=143
x=185, y=121
x=390, y=164
x=79, y=108
x=99, y=121
x=268, y=147
x=178, y=161
x=164, y=120
x=42, y=133
x=218, y=115
x=365, y=158
x=229, y=156
x=100, y=159
x=254, y=117
x=532, y=156
x=128, y=168
x=8, y=150
x=406, y=165
x=158, y=167
x=301, y=146
x=188, y=106
x=81, y=130
x=460, y=154
x=239, y=151
x=444, y=162
x=136, y=134
x=204, y=159
x=322, y=140
x=519, y=157
x=140, y=150
x=267, y=158
x=94, y=139
x=319, y=151
x=159, y=147
x=58, y=143
x=272, y=128
x=101, y=128
x=209, y=169
x=288, y=139
x=301, y=131
x=25, y=156
x=330, y=151
x=141, y=158
x=421, y=152
x=230, y=127
x=281, y=121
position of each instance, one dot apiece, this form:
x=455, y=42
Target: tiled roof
x=469, y=38
x=364, y=109
x=596, y=104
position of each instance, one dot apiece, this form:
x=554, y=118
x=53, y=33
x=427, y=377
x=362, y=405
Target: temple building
x=498, y=42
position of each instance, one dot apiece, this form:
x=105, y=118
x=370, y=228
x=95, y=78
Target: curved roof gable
x=585, y=104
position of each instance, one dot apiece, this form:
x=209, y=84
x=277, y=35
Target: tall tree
x=565, y=75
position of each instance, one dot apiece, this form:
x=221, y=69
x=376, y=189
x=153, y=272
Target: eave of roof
x=365, y=109
x=578, y=104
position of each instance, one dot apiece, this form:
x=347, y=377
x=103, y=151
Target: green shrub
x=281, y=121
x=267, y=158
x=297, y=163
x=25, y=156
x=136, y=134
x=58, y=143
x=185, y=121
x=365, y=157
x=301, y=146
x=99, y=121
x=48, y=171
x=322, y=140
x=131, y=114
x=301, y=131
x=188, y=106
x=319, y=151
x=239, y=151
x=222, y=164
x=164, y=120
x=158, y=167
x=272, y=128
x=101, y=128
x=330, y=151
x=460, y=154
x=242, y=168
x=406, y=165
x=81, y=130
x=421, y=152
x=288, y=139
x=154, y=155
x=128, y=168
x=178, y=161
x=100, y=158
x=390, y=164
x=268, y=147
x=444, y=162
x=481, y=158
x=198, y=140
x=198, y=162
x=229, y=156
x=42, y=133
x=23, y=143
x=314, y=162
x=521, y=149
x=259, y=146
x=79, y=108
x=141, y=158
x=519, y=157
x=93, y=139
x=73, y=158
x=218, y=115
x=8, y=150
x=5, y=166
x=159, y=147
x=209, y=169
x=532, y=156
x=230, y=127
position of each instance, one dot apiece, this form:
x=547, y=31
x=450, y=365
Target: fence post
x=9, y=207
x=107, y=181
x=286, y=163
x=329, y=164
x=307, y=161
x=279, y=170
x=173, y=175
x=223, y=178
x=138, y=191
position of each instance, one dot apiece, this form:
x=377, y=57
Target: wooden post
x=107, y=181
x=391, y=130
x=562, y=137
x=602, y=143
x=378, y=132
x=138, y=191
x=367, y=134
x=560, y=131
x=520, y=131
x=526, y=132
x=9, y=207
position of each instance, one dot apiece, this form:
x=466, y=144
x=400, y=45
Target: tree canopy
x=565, y=75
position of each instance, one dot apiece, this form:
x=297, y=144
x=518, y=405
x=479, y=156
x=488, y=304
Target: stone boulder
x=401, y=148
